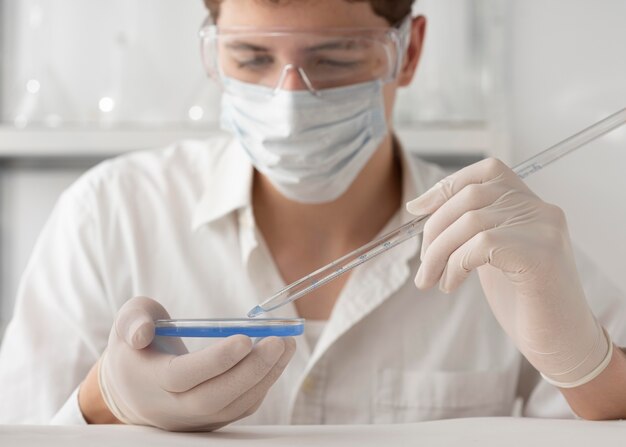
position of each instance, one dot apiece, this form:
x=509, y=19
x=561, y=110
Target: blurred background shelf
x=462, y=141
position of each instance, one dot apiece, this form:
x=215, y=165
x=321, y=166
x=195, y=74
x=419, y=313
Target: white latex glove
x=484, y=217
x=167, y=387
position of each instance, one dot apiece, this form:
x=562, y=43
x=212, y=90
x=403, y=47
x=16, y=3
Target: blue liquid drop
x=255, y=312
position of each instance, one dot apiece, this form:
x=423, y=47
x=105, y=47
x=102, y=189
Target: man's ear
x=414, y=52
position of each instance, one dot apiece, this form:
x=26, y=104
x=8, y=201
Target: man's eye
x=257, y=62
x=337, y=63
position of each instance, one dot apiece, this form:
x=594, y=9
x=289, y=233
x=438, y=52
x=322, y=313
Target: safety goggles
x=303, y=60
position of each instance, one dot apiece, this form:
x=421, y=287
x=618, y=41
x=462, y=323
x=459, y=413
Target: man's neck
x=353, y=219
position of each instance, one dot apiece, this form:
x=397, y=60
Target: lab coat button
x=246, y=219
x=308, y=385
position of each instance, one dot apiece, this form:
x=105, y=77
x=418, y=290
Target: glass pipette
x=415, y=227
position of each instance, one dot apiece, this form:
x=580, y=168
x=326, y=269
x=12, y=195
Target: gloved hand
x=167, y=387
x=484, y=217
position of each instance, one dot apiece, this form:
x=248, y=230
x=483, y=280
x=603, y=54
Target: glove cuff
x=602, y=343
x=106, y=393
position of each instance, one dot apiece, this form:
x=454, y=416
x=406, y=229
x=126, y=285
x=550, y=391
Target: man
x=313, y=171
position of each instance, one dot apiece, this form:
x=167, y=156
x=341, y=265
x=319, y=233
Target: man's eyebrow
x=239, y=45
x=342, y=44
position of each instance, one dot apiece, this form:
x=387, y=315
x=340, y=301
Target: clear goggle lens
x=303, y=60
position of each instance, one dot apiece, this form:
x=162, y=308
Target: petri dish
x=252, y=327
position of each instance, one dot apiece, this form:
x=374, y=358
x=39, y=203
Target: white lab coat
x=177, y=225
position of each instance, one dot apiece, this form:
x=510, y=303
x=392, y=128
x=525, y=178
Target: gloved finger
x=249, y=402
x=215, y=394
x=511, y=250
x=484, y=248
x=473, y=197
x=184, y=372
x=134, y=322
x=457, y=270
x=481, y=172
x=461, y=231
x=253, y=409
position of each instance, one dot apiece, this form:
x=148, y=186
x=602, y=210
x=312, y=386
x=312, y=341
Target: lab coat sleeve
x=608, y=304
x=70, y=413
x=62, y=316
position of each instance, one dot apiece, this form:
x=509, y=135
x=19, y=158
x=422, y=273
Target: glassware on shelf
x=96, y=63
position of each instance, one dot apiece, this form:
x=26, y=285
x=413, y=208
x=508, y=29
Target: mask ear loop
x=303, y=76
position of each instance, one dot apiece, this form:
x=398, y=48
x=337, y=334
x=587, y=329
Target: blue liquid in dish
x=227, y=331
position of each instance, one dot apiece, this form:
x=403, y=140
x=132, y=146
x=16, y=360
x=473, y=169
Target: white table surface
x=484, y=432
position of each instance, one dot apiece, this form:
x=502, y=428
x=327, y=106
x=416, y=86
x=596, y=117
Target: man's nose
x=294, y=78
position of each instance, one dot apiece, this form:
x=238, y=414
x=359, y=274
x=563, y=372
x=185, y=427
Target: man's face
x=306, y=15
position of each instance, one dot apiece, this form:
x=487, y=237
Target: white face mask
x=310, y=147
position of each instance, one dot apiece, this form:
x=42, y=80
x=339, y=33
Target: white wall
x=568, y=69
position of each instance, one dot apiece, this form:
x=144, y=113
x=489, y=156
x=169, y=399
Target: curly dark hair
x=392, y=10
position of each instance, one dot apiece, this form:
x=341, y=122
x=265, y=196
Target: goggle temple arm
x=403, y=36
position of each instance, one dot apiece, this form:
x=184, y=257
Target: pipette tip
x=258, y=310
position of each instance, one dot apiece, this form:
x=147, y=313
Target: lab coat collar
x=228, y=185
